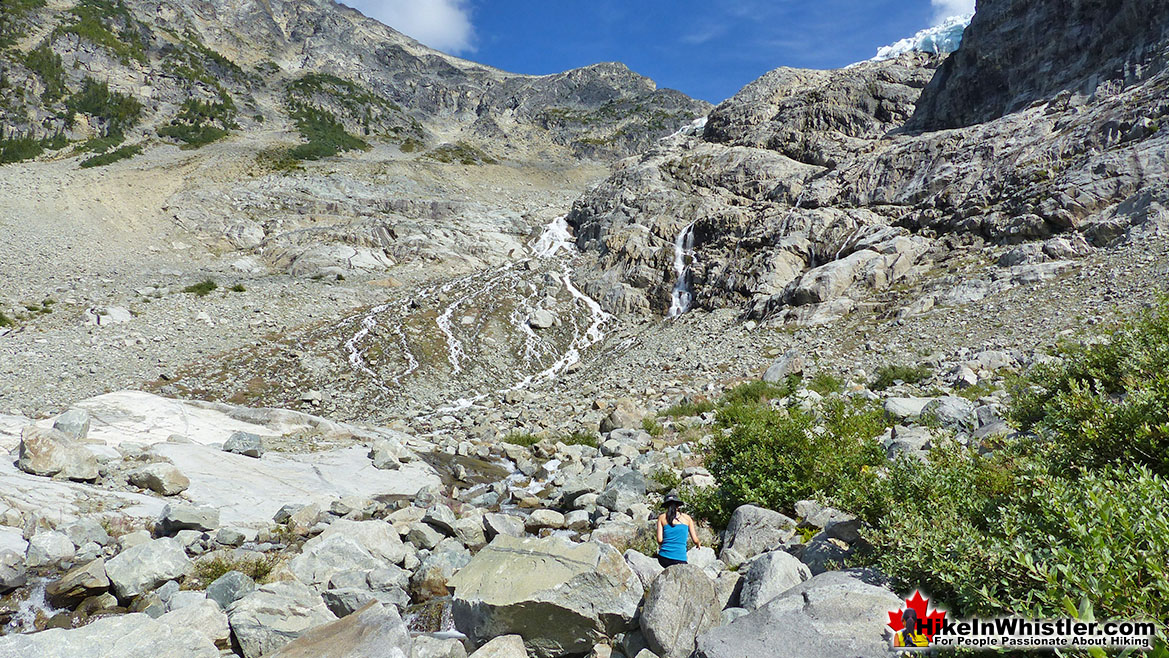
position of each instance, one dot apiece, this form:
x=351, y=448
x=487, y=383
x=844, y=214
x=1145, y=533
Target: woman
x=674, y=528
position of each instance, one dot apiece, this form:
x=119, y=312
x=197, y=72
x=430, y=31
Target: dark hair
x=671, y=512
x=912, y=623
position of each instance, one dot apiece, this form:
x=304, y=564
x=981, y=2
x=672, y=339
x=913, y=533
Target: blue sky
x=707, y=49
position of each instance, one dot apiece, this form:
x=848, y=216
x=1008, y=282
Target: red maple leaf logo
x=930, y=622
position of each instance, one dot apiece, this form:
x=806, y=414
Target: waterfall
x=682, y=296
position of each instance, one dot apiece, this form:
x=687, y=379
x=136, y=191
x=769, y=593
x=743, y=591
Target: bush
x=760, y=391
x=774, y=458
x=461, y=153
x=825, y=383
x=1106, y=403
x=47, y=65
x=887, y=375
x=17, y=149
x=687, y=408
x=209, y=570
x=119, y=111
x=580, y=438
x=521, y=438
x=325, y=135
x=124, y=153
x=199, y=123
x=239, y=287
x=6, y=321
x=96, y=22
x=652, y=426
x=201, y=289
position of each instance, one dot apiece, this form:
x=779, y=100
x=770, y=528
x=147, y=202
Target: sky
x=706, y=49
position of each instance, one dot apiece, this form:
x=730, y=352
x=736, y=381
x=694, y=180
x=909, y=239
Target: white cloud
x=441, y=24
x=944, y=9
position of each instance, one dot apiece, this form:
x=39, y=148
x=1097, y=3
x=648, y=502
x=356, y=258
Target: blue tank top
x=674, y=538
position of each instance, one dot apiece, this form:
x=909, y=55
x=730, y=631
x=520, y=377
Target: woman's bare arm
x=659, y=530
x=693, y=532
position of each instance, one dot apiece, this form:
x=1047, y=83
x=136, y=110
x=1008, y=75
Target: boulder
x=423, y=535
x=181, y=516
x=385, y=455
x=161, y=478
x=48, y=549
x=646, y=568
x=625, y=415
x=560, y=596
x=82, y=581
x=902, y=408
x=116, y=636
x=425, y=646
x=431, y=578
x=12, y=571
x=951, y=411
x=274, y=615
x=823, y=553
x=626, y=488
x=322, y=557
x=832, y=615
x=143, y=567
x=503, y=524
x=790, y=363
x=544, y=518
x=770, y=575
x=73, y=423
x=374, y=631
x=378, y=538
x=229, y=588
x=441, y=518
x=542, y=319
x=86, y=530
x=506, y=646
x=204, y=616
x=680, y=605
x=244, y=443
x=48, y=452
x=754, y=530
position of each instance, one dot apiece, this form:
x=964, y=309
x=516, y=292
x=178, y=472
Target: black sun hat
x=672, y=497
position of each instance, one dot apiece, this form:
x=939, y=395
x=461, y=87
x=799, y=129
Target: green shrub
x=410, y=145
x=6, y=321
x=20, y=148
x=199, y=123
x=887, y=375
x=47, y=65
x=1106, y=403
x=461, y=153
x=580, y=438
x=776, y=457
x=760, y=391
x=107, y=23
x=239, y=287
x=119, y=111
x=825, y=383
x=687, y=408
x=651, y=425
x=521, y=438
x=278, y=158
x=325, y=135
x=12, y=18
x=208, y=570
x=201, y=289
x=124, y=153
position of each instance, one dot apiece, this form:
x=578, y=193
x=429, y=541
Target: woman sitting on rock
x=674, y=529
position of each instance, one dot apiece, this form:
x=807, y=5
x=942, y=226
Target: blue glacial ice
x=941, y=39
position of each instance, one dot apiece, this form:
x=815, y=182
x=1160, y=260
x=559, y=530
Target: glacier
x=941, y=39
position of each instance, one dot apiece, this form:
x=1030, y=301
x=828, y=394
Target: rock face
x=374, y=631
x=680, y=605
x=834, y=614
x=120, y=635
x=1009, y=58
x=51, y=452
x=561, y=597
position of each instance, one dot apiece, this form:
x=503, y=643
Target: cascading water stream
x=682, y=296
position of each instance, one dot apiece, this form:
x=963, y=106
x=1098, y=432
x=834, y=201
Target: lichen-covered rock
x=680, y=605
